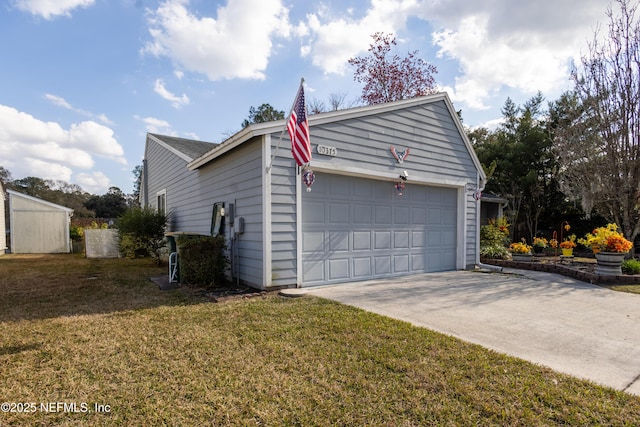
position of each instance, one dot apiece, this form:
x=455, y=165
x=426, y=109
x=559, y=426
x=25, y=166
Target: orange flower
x=617, y=243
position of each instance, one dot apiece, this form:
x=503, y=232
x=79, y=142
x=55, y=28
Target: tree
x=111, y=205
x=58, y=192
x=5, y=176
x=337, y=101
x=141, y=232
x=520, y=165
x=264, y=113
x=598, y=135
x=388, y=77
x=134, y=200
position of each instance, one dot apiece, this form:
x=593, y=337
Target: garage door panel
x=337, y=187
x=401, y=240
x=315, y=213
x=418, y=262
x=339, y=241
x=339, y=269
x=418, y=216
x=362, y=240
x=449, y=239
x=417, y=239
x=382, y=265
x=382, y=239
x=313, y=271
x=434, y=216
x=401, y=215
x=382, y=215
x=401, y=263
x=448, y=217
x=362, y=267
x=313, y=242
x=357, y=229
x=339, y=213
x=361, y=214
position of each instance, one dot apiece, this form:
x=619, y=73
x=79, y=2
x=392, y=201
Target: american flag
x=298, y=128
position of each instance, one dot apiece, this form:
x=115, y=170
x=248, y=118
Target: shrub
x=76, y=233
x=203, y=260
x=141, y=232
x=494, y=237
x=631, y=266
x=494, y=252
x=495, y=233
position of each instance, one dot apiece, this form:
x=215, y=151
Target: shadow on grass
x=47, y=286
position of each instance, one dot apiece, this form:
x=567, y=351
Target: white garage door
x=358, y=229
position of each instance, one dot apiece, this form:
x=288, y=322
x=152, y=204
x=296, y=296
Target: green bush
x=203, y=260
x=141, y=232
x=76, y=233
x=631, y=266
x=494, y=252
x=494, y=239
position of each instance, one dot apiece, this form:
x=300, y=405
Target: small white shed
x=38, y=226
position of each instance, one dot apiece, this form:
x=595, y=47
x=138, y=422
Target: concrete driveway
x=570, y=326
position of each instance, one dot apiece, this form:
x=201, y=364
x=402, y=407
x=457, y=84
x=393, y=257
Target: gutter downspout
x=496, y=268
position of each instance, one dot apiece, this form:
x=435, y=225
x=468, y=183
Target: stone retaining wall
x=567, y=270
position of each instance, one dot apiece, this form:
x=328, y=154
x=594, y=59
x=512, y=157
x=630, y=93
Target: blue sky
x=83, y=81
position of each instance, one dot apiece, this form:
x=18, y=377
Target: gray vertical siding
x=38, y=226
x=437, y=153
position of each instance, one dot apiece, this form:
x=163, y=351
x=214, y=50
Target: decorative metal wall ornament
x=399, y=187
x=399, y=155
x=477, y=195
x=309, y=178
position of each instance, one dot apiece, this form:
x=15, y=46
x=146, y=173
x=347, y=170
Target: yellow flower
x=607, y=239
x=520, y=248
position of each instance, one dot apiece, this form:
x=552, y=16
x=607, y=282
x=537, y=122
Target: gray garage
x=357, y=229
x=353, y=225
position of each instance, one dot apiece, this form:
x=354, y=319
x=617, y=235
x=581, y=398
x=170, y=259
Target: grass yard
x=94, y=342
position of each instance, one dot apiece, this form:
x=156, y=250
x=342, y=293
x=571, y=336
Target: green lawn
x=87, y=332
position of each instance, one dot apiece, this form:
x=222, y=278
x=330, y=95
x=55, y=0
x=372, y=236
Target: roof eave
x=235, y=140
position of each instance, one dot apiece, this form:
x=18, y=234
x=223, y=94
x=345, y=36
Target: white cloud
x=97, y=139
x=176, y=101
x=32, y=147
x=94, y=183
x=237, y=43
x=332, y=41
x=61, y=102
x=49, y=9
x=154, y=125
x=514, y=45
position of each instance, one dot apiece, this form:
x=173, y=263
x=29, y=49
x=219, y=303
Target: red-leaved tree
x=388, y=77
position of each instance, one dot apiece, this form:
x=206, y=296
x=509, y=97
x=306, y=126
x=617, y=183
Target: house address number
x=326, y=150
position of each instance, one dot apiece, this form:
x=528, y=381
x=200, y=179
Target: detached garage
x=391, y=190
x=37, y=226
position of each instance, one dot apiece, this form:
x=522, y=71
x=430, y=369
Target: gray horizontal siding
x=438, y=153
x=235, y=177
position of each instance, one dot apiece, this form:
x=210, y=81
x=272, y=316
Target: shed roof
x=37, y=200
